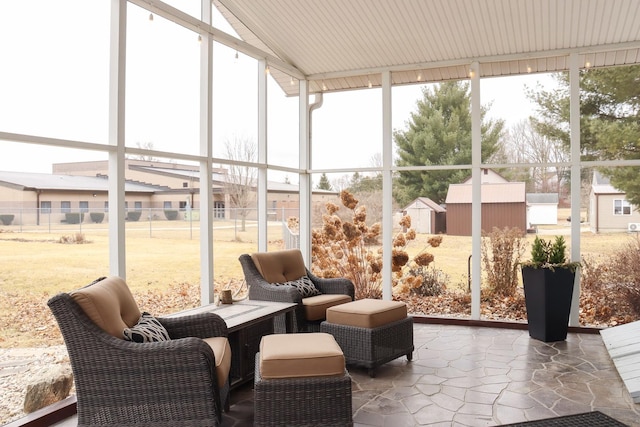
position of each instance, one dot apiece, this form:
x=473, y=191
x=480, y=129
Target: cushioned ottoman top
x=367, y=313
x=300, y=355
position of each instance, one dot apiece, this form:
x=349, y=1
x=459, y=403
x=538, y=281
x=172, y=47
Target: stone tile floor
x=478, y=376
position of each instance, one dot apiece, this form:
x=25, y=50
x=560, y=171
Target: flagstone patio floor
x=479, y=376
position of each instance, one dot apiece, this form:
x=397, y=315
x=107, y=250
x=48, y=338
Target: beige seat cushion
x=367, y=313
x=222, y=352
x=280, y=266
x=315, y=308
x=109, y=304
x=300, y=355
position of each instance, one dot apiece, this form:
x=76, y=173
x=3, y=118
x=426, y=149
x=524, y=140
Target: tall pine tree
x=439, y=133
x=324, y=183
x=609, y=120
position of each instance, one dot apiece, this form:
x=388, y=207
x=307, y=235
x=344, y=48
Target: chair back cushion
x=280, y=266
x=109, y=304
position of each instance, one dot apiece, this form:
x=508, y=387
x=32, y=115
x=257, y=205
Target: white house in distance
x=542, y=209
x=609, y=210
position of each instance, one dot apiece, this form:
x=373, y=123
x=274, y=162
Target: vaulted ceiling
x=346, y=44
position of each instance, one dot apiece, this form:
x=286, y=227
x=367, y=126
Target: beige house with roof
x=609, y=209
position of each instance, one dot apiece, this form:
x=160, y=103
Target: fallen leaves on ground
x=26, y=320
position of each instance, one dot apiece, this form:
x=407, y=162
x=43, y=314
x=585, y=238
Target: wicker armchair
x=263, y=269
x=118, y=382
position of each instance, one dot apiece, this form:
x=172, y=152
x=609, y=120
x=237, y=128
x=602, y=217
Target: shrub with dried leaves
x=502, y=250
x=351, y=249
x=610, y=287
x=77, y=239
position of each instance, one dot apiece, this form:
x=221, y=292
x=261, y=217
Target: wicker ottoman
x=301, y=380
x=371, y=332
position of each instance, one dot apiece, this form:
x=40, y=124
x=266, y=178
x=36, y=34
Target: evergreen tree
x=324, y=183
x=609, y=120
x=439, y=133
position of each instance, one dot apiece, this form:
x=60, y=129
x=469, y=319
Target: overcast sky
x=54, y=83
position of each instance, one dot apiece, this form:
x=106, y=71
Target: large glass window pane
x=54, y=79
x=347, y=232
x=283, y=210
x=235, y=229
x=347, y=130
x=235, y=100
x=163, y=84
x=69, y=247
x=611, y=248
x=283, y=127
x=162, y=240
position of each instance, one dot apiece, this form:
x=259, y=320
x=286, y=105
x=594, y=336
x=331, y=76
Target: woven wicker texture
x=310, y=401
x=588, y=419
x=260, y=289
x=170, y=383
x=372, y=347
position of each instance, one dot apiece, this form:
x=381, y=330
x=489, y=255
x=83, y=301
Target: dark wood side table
x=247, y=321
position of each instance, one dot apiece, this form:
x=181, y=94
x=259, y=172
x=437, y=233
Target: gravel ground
x=18, y=368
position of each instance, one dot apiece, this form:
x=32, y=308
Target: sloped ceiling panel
x=345, y=45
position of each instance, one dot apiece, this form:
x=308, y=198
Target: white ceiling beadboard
x=345, y=44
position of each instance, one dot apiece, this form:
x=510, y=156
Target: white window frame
x=621, y=207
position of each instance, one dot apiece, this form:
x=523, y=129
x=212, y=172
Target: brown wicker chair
x=124, y=383
x=263, y=269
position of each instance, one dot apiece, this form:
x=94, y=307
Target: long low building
x=156, y=187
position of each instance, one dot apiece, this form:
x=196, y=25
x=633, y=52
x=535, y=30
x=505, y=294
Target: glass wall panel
x=236, y=232
x=611, y=247
x=347, y=232
x=53, y=238
x=54, y=78
x=163, y=84
x=346, y=131
x=282, y=126
x=283, y=211
x=235, y=101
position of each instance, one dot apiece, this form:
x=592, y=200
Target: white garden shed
x=542, y=209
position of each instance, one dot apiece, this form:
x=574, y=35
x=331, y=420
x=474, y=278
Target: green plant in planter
x=550, y=254
x=548, y=289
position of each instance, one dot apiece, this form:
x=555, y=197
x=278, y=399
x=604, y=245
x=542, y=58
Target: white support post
x=304, y=178
x=117, y=74
x=574, y=124
x=387, y=213
x=476, y=191
x=206, y=170
x=262, y=156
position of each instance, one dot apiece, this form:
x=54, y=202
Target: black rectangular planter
x=548, y=295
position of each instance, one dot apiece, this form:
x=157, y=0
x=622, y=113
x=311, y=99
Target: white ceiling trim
x=343, y=45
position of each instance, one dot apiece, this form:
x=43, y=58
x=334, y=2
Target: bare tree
x=146, y=146
x=241, y=181
x=341, y=183
x=376, y=160
x=525, y=145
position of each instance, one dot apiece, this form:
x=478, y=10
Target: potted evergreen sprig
x=548, y=280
